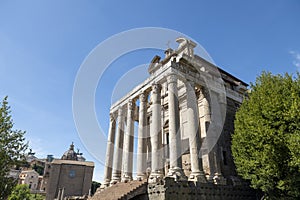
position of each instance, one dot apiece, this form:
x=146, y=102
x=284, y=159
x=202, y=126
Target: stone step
x=119, y=191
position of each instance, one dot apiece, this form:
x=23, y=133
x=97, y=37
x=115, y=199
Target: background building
x=30, y=178
x=68, y=176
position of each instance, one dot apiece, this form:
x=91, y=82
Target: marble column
x=142, y=136
x=207, y=149
x=128, y=144
x=174, y=132
x=222, y=105
x=149, y=148
x=109, y=151
x=197, y=173
x=116, y=175
x=155, y=134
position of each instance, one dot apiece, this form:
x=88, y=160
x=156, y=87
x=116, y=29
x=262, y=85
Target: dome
x=80, y=157
x=70, y=154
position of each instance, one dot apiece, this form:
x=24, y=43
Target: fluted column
x=116, y=175
x=142, y=136
x=155, y=134
x=174, y=133
x=128, y=144
x=197, y=173
x=109, y=151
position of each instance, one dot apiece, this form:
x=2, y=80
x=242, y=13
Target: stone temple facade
x=184, y=112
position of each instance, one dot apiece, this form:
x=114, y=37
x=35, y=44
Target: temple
x=185, y=113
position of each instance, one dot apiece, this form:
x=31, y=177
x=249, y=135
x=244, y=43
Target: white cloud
x=296, y=56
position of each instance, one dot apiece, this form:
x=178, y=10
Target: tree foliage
x=20, y=192
x=266, y=140
x=39, y=169
x=12, y=149
x=94, y=187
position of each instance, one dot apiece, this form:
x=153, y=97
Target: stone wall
x=188, y=190
x=74, y=177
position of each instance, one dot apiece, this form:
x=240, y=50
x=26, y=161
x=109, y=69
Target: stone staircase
x=122, y=191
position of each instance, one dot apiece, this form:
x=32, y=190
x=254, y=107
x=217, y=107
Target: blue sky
x=43, y=44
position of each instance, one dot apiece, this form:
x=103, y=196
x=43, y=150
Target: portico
x=177, y=93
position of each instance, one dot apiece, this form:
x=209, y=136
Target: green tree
x=12, y=149
x=95, y=186
x=39, y=169
x=20, y=192
x=266, y=139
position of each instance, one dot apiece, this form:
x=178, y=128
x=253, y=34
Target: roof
x=70, y=154
x=72, y=162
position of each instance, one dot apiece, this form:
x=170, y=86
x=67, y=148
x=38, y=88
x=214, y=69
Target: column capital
x=172, y=78
x=120, y=111
x=130, y=104
x=112, y=117
x=156, y=88
x=143, y=96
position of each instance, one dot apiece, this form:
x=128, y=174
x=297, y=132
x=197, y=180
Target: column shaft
x=109, y=151
x=155, y=134
x=219, y=118
x=207, y=146
x=128, y=145
x=149, y=148
x=116, y=176
x=174, y=134
x=193, y=130
x=142, y=136
x=175, y=170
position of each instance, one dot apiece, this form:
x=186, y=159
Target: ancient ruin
x=185, y=112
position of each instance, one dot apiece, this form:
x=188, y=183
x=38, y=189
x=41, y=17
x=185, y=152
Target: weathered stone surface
x=123, y=191
x=71, y=178
x=188, y=190
x=184, y=128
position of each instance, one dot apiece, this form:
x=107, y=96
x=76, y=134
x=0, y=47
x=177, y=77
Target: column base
x=197, y=177
x=218, y=179
x=126, y=178
x=105, y=184
x=114, y=180
x=141, y=177
x=155, y=177
x=177, y=174
x=209, y=178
